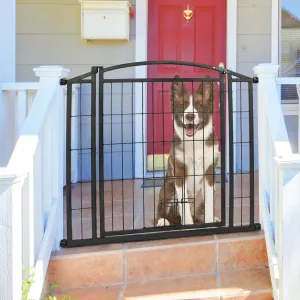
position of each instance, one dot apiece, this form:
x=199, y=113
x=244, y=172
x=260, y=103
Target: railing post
x=267, y=74
x=50, y=73
x=298, y=93
x=289, y=243
x=10, y=236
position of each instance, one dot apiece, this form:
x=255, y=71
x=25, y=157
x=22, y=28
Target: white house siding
x=253, y=47
x=48, y=32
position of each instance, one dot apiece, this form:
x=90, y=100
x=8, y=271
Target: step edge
x=155, y=247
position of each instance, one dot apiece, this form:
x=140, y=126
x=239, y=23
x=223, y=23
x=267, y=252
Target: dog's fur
x=191, y=163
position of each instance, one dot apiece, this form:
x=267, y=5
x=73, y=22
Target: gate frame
x=154, y=233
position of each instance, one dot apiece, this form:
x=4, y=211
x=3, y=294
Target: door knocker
x=188, y=13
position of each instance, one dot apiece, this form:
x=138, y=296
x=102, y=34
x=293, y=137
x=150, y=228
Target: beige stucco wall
x=48, y=32
x=253, y=34
x=253, y=47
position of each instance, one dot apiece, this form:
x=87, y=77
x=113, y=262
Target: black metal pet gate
x=153, y=158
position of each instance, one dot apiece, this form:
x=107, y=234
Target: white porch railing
x=31, y=188
x=17, y=99
x=279, y=186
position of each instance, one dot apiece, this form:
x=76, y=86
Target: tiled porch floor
x=129, y=206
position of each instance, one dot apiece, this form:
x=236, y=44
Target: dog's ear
x=206, y=89
x=178, y=89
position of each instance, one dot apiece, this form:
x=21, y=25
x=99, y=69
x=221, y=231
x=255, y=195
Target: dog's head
x=191, y=112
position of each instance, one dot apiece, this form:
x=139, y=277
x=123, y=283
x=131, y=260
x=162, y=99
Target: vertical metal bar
x=101, y=152
x=223, y=147
x=177, y=206
x=213, y=150
x=164, y=167
x=122, y=157
x=194, y=164
x=203, y=161
x=93, y=153
x=231, y=151
x=81, y=171
x=241, y=143
x=132, y=157
x=251, y=150
x=69, y=162
x=153, y=145
x=184, y=179
x=143, y=150
x=111, y=159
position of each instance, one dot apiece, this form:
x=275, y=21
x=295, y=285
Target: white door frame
x=141, y=72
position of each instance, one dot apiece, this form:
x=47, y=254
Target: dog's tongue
x=190, y=131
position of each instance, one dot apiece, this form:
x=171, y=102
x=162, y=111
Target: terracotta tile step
x=251, y=284
x=131, y=263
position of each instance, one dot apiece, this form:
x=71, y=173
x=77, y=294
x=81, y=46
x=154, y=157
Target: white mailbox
x=105, y=20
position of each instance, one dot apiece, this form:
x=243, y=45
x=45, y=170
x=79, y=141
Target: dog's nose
x=190, y=117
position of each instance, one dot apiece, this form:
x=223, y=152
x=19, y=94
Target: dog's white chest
x=197, y=157
x=196, y=154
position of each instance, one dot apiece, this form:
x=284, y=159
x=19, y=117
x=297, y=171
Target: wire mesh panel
x=159, y=157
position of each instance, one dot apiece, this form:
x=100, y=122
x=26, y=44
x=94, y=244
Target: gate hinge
x=255, y=79
x=63, y=81
x=64, y=243
x=257, y=226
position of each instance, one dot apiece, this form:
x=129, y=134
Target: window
x=290, y=47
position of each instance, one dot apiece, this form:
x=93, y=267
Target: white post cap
x=51, y=71
x=266, y=69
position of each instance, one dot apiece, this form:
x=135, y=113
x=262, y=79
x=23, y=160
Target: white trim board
x=141, y=72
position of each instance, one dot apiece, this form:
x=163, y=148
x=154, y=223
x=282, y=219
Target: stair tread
x=145, y=261
x=248, y=284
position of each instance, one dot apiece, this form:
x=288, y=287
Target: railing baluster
x=21, y=111
x=272, y=171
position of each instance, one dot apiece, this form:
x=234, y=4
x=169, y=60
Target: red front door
x=202, y=39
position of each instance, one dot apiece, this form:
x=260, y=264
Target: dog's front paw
x=162, y=222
